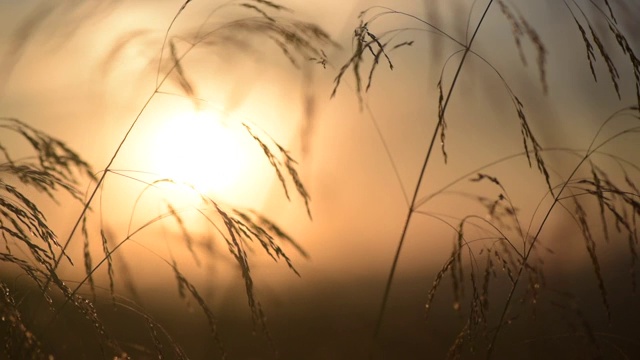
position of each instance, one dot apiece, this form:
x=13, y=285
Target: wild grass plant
x=497, y=266
x=51, y=166
x=500, y=254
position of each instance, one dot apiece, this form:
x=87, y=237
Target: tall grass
x=497, y=265
x=33, y=248
x=502, y=268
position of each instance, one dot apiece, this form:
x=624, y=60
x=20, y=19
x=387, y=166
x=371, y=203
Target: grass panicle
x=19, y=341
x=520, y=28
x=277, y=162
x=185, y=286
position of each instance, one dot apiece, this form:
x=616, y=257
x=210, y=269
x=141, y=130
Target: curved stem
x=113, y=157
x=590, y=151
x=100, y=181
x=412, y=209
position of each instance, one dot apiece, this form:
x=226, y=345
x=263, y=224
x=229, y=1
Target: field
x=319, y=180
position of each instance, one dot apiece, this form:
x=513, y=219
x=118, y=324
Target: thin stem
x=113, y=157
x=526, y=258
x=388, y=153
x=590, y=151
x=100, y=181
x=411, y=211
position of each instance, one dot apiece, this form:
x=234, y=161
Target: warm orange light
x=200, y=148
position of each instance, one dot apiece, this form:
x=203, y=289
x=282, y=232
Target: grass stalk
x=557, y=198
x=412, y=209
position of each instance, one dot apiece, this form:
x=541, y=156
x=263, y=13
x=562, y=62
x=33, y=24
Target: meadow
x=257, y=179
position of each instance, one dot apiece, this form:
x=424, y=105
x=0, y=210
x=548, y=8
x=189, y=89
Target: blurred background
x=82, y=71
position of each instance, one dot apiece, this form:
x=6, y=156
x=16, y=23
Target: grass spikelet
x=477, y=314
x=19, y=341
x=155, y=331
x=623, y=43
x=184, y=5
x=272, y=159
x=441, y=118
x=362, y=44
x=458, y=343
x=157, y=344
x=184, y=83
x=520, y=28
x=181, y=286
x=376, y=55
x=457, y=272
x=540, y=50
x=88, y=266
x=516, y=29
x=237, y=250
x=481, y=176
x=273, y=5
x=606, y=2
x=259, y=11
x=489, y=271
x=32, y=272
x=107, y=255
x=591, y=249
x=236, y=233
x=185, y=233
x=290, y=163
x=436, y=284
x=285, y=50
x=184, y=284
x=87, y=309
x=321, y=60
x=24, y=217
x=633, y=59
x=507, y=265
x=23, y=223
x=272, y=228
x=535, y=282
x=376, y=60
x=251, y=230
x=591, y=57
x=613, y=71
x=35, y=221
x=53, y=155
x=527, y=136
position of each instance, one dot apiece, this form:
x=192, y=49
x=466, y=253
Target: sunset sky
x=83, y=72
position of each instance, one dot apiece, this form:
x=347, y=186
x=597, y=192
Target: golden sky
x=67, y=78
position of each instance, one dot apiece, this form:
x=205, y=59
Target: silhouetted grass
x=496, y=267
x=33, y=248
x=511, y=246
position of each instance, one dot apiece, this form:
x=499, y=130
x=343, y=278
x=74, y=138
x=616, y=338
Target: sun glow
x=209, y=152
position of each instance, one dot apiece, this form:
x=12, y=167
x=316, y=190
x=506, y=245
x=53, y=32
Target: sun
x=204, y=149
